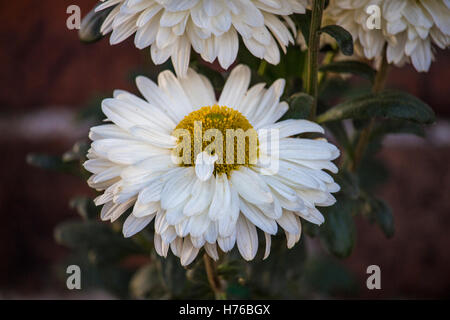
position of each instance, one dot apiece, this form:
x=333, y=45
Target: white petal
x=181, y=56
x=247, y=238
x=133, y=225
x=250, y=186
x=221, y=200
x=204, y=165
x=211, y=250
x=268, y=244
x=253, y=214
x=188, y=253
x=235, y=87
x=227, y=243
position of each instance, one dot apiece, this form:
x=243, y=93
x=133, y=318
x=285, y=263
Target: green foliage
x=397, y=126
x=113, y=278
x=378, y=212
x=77, y=153
x=70, y=162
x=100, y=241
x=343, y=38
x=85, y=207
x=147, y=283
x=324, y=275
x=279, y=275
x=349, y=184
x=48, y=162
x=338, y=233
x=388, y=104
x=299, y=106
x=351, y=67
x=90, y=25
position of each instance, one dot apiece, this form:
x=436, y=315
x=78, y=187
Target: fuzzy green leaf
x=343, y=38
x=101, y=242
x=85, y=207
x=49, y=162
x=338, y=233
x=299, y=106
x=349, y=183
x=90, y=25
x=147, y=283
x=379, y=212
x=388, y=104
x=353, y=67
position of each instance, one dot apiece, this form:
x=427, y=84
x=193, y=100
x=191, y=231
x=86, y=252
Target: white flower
x=211, y=27
x=408, y=27
x=203, y=203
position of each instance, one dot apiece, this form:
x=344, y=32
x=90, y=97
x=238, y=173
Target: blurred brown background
x=47, y=73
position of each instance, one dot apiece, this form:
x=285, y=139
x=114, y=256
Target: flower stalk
x=313, y=54
x=213, y=278
x=378, y=86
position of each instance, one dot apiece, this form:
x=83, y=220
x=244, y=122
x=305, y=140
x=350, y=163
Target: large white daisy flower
x=203, y=202
x=408, y=27
x=211, y=27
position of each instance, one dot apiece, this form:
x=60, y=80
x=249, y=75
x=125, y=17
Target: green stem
x=262, y=68
x=378, y=86
x=213, y=278
x=329, y=57
x=313, y=54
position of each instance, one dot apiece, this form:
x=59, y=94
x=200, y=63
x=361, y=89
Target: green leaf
x=325, y=275
x=280, y=273
x=384, y=217
x=372, y=172
x=340, y=134
x=101, y=242
x=349, y=184
x=77, y=153
x=112, y=278
x=173, y=275
x=147, y=283
x=338, y=233
x=379, y=212
x=353, y=67
x=85, y=207
x=343, y=38
x=49, y=162
x=299, y=106
x=388, y=104
x=90, y=25
x=397, y=126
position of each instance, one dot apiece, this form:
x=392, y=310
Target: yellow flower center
x=217, y=130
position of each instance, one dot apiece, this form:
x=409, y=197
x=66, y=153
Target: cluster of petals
x=408, y=28
x=211, y=27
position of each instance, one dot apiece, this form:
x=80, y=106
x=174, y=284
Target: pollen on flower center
x=217, y=130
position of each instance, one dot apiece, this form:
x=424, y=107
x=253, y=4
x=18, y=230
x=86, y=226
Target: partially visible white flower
x=409, y=28
x=211, y=27
x=202, y=203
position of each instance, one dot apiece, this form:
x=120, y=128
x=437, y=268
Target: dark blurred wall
x=44, y=65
